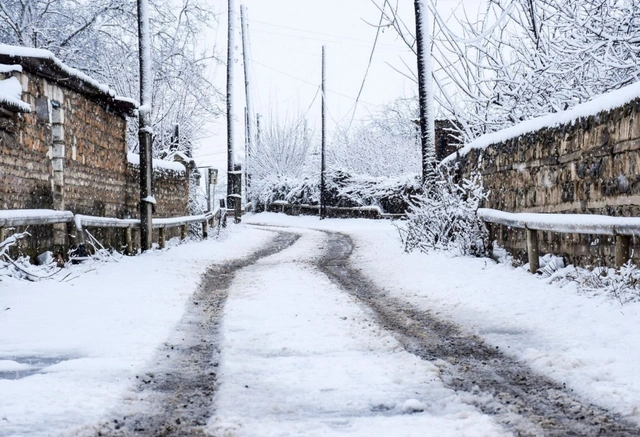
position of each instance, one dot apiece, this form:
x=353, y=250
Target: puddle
x=31, y=365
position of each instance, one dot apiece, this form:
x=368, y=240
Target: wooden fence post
x=2, y=235
x=129, y=239
x=622, y=249
x=205, y=230
x=183, y=232
x=532, y=250
x=162, y=238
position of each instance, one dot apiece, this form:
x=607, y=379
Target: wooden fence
x=622, y=228
x=26, y=217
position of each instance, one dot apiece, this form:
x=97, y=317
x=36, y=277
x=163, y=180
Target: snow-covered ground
x=78, y=343
x=588, y=343
x=299, y=356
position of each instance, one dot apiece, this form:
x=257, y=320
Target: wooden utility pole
x=230, y=137
x=144, y=129
x=249, y=108
x=425, y=88
x=323, y=199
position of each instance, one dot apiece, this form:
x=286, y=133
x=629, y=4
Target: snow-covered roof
x=44, y=64
x=158, y=164
x=11, y=95
x=602, y=103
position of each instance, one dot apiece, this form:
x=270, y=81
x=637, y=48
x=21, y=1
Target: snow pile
x=45, y=55
x=11, y=94
x=158, y=164
x=605, y=102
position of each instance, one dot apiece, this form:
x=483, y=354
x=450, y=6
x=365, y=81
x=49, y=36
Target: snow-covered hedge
x=445, y=216
x=343, y=190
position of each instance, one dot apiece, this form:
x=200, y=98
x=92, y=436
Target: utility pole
x=323, y=199
x=425, y=88
x=249, y=108
x=144, y=129
x=230, y=137
x=258, y=132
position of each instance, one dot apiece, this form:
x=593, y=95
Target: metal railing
x=622, y=228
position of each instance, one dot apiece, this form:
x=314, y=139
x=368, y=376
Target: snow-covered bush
x=390, y=194
x=21, y=267
x=621, y=284
x=444, y=216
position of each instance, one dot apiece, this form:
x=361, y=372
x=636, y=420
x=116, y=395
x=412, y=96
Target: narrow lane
x=293, y=341
x=300, y=357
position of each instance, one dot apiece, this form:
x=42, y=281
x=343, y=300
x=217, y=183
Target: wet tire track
x=526, y=403
x=175, y=398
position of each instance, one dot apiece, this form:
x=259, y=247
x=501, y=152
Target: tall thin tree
x=425, y=88
x=230, y=114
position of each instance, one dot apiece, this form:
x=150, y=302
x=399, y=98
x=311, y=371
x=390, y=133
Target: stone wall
x=588, y=166
x=70, y=153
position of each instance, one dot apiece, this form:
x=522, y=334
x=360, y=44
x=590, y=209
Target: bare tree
x=522, y=58
x=100, y=38
x=388, y=144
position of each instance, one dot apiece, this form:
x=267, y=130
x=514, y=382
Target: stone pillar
x=60, y=236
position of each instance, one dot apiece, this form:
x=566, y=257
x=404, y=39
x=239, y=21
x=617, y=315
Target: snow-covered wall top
x=10, y=68
x=26, y=55
x=605, y=102
x=11, y=95
x=134, y=158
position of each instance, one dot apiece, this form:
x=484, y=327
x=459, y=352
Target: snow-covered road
x=335, y=333
x=301, y=357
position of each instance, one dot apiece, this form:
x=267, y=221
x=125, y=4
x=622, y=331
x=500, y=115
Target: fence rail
x=620, y=227
x=27, y=217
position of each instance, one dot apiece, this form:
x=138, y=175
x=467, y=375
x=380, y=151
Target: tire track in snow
x=524, y=402
x=174, y=398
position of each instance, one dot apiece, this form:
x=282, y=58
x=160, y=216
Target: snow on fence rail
x=27, y=217
x=85, y=221
x=620, y=227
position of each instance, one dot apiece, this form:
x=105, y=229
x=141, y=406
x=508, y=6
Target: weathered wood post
x=162, y=238
x=205, y=229
x=622, y=250
x=129, y=239
x=532, y=250
x=2, y=235
x=183, y=232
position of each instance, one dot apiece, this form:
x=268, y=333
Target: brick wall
x=98, y=180
x=589, y=166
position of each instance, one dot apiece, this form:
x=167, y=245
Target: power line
x=339, y=37
x=310, y=83
x=366, y=73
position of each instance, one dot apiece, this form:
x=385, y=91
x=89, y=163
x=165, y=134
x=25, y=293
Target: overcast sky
x=286, y=43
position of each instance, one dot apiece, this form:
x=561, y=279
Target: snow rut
x=526, y=403
x=174, y=398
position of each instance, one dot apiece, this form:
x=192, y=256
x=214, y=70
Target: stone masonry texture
x=98, y=180
x=590, y=166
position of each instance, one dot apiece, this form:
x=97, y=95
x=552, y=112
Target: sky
x=286, y=39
